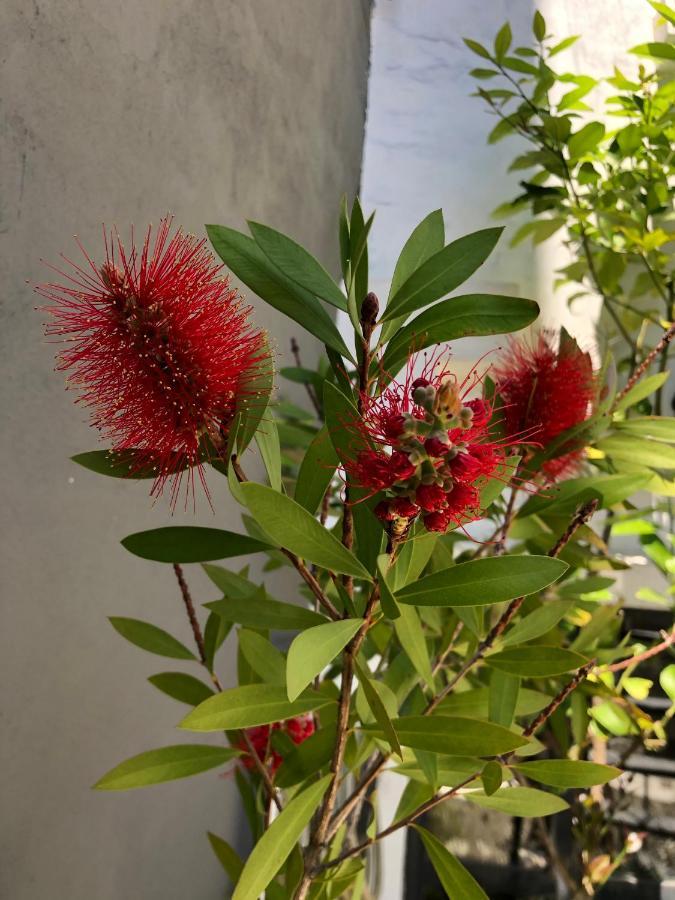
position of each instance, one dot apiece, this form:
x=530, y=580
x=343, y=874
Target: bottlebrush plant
x=449, y=604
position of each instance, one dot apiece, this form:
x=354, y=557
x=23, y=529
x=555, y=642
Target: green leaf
x=503, y=698
x=454, y=735
x=647, y=453
x=150, y=637
x=642, y=389
x=127, y=464
x=378, y=708
x=267, y=439
x=215, y=632
x=536, y=662
x=484, y=581
x=249, y=705
x=411, y=637
x=503, y=41
x=165, y=764
x=492, y=777
x=664, y=10
x=292, y=527
x=242, y=255
x=277, y=842
x=387, y=599
x=587, y=138
x=661, y=428
x=255, y=400
x=230, y=583
x=566, y=496
x=262, y=656
x=443, y=272
x=316, y=471
x=227, y=857
x=314, y=649
x=654, y=50
x=667, y=681
x=523, y=802
x=539, y=26
x=182, y=687
x=567, y=773
x=256, y=611
x=464, y=316
x=477, y=48
x=457, y=882
x=307, y=759
x=189, y=544
x=537, y=623
x=298, y=264
x=476, y=702
x=563, y=45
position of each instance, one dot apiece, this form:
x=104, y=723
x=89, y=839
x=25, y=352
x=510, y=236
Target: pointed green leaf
x=523, y=802
x=267, y=439
x=276, y=844
x=536, y=662
x=307, y=758
x=454, y=735
x=182, y=687
x=150, y=637
x=537, y=623
x=242, y=255
x=476, y=703
x=227, y=857
x=443, y=272
x=567, y=773
x=262, y=656
x=661, y=428
x=484, y=581
x=298, y=264
x=378, y=708
x=292, y=527
x=249, y=705
x=503, y=698
x=492, y=777
x=587, y=138
x=257, y=611
x=316, y=471
x=638, y=449
x=189, y=544
x=126, y=464
x=254, y=403
x=387, y=599
x=314, y=649
x=642, y=389
x=457, y=882
x=165, y=764
x=411, y=637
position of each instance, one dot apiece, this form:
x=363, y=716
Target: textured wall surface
x=118, y=112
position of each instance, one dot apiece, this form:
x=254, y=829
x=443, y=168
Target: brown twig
x=646, y=363
x=559, y=699
x=190, y=609
x=668, y=641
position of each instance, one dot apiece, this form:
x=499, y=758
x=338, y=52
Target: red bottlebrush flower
x=158, y=345
x=298, y=729
x=425, y=441
x=546, y=389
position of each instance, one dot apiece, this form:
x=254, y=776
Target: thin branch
x=190, y=609
x=646, y=363
x=668, y=641
x=559, y=699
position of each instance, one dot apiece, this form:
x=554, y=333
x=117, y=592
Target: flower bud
x=447, y=401
x=370, y=309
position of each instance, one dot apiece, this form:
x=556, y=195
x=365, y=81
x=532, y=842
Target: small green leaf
x=646, y=452
x=182, y=687
x=567, y=773
x=536, y=662
x=664, y=10
x=127, y=464
x=387, y=599
x=641, y=390
x=503, y=698
x=454, y=735
x=539, y=26
x=298, y=264
x=190, y=544
x=523, y=802
x=503, y=41
x=227, y=857
x=150, y=637
x=457, y=882
x=378, y=708
x=255, y=399
x=249, y=705
x=655, y=50
x=477, y=48
x=443, y=272
x=411, y=637
x=292, y=527
x=256, y=611
x=484, y=581
x=667, y=681
x=262, y=656
x=267, y=439
x=537, y=623
x=277, y=842
x=476, y=702
x=314, y=649
x=316, y=471
x=492, y=777
x=165, y=764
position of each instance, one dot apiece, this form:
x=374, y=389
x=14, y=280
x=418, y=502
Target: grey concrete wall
x=118, y=111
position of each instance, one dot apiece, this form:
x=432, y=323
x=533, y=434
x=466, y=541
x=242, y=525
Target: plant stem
x=646, y=363
x=668, y=641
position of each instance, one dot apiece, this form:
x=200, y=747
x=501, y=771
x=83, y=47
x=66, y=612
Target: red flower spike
x=298, y=729
x=435, y=453
x=159, y=346
x=545, y=390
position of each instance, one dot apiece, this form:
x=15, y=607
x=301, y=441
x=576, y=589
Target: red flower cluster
x=428, y=448
x=159, y=346
x=298, y=730
x=544, y=390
